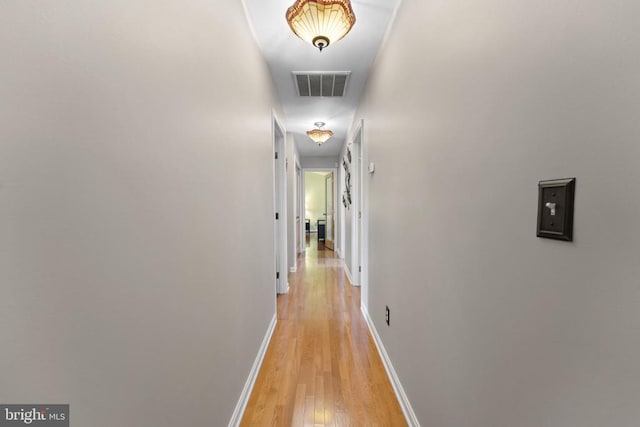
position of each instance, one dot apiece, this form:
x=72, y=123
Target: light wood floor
x=322, y=367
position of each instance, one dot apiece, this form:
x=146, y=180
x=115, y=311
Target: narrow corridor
x=322, y=367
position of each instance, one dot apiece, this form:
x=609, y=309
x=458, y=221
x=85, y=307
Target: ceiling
x=285, y=53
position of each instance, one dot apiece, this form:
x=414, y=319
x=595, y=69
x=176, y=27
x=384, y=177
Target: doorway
x=329, y=208
x=299, y=208
x=359, y=216
x=354, y=225
x=280, y=211
x=319, y=206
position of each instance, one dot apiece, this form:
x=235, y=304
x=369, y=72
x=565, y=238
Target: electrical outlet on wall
x=386, y=316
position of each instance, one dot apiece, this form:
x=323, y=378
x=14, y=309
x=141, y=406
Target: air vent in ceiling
x=321, y=84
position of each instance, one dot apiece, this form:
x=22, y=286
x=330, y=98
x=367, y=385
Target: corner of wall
x=241, y=406
x=407, y=410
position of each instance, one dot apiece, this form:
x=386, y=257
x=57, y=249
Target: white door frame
x=301, y=237
x=362, y=227
x=280, y=207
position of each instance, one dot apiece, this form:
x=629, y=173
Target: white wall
x=470, y=105
x=137, y=272
x=319, y=162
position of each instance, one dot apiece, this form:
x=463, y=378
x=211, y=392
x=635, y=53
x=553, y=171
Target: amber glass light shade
x=321, y=22
x=319, y=135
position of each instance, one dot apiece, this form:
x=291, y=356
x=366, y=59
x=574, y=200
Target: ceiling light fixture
x=319, y=136
x=321, y=22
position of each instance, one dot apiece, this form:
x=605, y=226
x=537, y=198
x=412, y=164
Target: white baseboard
x=293, y=269
x=407, y=410
x=236, y=418
x=348, y=273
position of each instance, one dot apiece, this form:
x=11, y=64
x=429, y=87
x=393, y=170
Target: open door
x=328, y=188
x=280, y=203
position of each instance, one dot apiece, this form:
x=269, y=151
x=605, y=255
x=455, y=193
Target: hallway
x=141, y=244
x=322, y=367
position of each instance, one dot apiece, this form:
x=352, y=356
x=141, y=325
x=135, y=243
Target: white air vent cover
x=321, y=84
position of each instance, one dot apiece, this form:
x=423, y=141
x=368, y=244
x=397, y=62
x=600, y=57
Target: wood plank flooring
x=322, y=367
